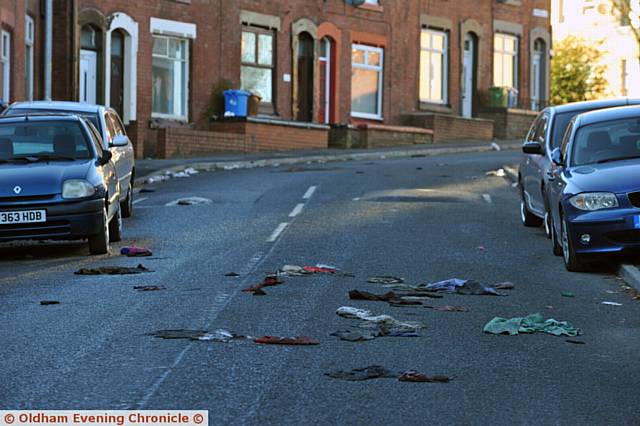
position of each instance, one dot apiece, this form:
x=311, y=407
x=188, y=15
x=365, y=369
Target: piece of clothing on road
x=367, y=317
x=295, y=341
x=113, y=270
x=134, y=251
x=149, y=287
x=380, y=372
x=390, y=297
x=385, y=279
x=466, y=287
x=534, y=323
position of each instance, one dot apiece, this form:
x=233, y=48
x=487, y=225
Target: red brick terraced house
x=346, y=73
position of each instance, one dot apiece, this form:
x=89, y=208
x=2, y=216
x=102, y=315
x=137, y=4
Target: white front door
x=537, y=82
x=88, y=76
x=467, y=77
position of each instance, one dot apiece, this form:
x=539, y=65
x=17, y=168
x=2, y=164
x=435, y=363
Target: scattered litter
x=49, y=302
x=384, y=279
x=146, y=190
x=612, y=292
x=576, y=342
x=530, y=324
x=418, y=168
x=149, y=288
x=497, y=173
x=269, y=280
x=611, y=303
x=456, y=285
x=293, y=271
x=567, y=294
x=190, y=171
x=319, y=269
x=448, y=308
x=190, y=201
x=178, y=334
x=390, y=297
x=507, y=285
x=155, y=179
x=366, y=316
x=374, y=330
x=379, y=372
x=355, y=336
x=112, y=270
x=223, y=336
x=134, y=251
x=481, y=248
x=514, y=185
x=231, y=274
x=276, y=340
x=495, y=146
x=414, y=376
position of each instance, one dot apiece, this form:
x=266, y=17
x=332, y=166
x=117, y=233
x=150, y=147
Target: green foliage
x=576, y=72
x=216, y=100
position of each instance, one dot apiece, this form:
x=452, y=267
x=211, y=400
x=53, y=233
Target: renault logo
x=17, y=189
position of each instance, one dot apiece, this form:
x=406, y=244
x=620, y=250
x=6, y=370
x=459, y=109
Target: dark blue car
x=544, y=136
x=594, y=186
x=57, y=182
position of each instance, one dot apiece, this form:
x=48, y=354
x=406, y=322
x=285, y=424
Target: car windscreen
x=606, y=142
x=33, y=140
x=560, y=124
x=93, y=117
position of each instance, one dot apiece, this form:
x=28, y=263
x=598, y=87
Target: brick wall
x=377, y=136
x=451, y=128
x=173, y=142
x=509, y=123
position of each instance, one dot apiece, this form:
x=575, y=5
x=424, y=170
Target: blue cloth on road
x=530, y=324
x=456, y=285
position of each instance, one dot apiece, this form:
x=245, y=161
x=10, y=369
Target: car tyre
x=99, y=243
x=126, y=207
x=572, y=261
x=528, y=218
x=115, y=227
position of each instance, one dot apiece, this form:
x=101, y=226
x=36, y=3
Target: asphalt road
x=423, y=219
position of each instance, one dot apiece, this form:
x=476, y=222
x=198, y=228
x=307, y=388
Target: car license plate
x=27, y=216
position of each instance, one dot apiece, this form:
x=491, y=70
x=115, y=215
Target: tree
x=628, y=12
x=577, y=73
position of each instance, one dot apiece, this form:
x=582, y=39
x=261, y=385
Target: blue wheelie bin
x=236, y=103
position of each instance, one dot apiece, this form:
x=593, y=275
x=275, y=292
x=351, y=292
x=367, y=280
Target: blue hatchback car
x=57, y=182
x=594, y=186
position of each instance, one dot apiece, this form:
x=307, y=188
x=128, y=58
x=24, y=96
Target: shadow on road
x=33, y=250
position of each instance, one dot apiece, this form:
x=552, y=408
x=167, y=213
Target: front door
x=324, y=114
x=305, y=78
x=88, y=76
x=117, y=72
x=467, y=77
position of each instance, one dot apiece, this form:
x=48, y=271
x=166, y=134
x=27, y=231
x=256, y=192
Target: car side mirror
x=532, y=147
x=120, y=140
x=105, y=157
x=556, y=157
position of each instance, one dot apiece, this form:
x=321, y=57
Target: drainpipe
x=48, y=49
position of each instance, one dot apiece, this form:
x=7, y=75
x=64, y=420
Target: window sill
x=372, y=8
x=161, y=121
x=433, y=107
x=367, y=116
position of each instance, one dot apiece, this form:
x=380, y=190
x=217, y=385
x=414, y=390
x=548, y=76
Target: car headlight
x=77, y=188
x=594, y=201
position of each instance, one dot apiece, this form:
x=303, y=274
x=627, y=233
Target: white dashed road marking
x=139, y=200
x=296, y=210
x=309, y=192
x=274, y=236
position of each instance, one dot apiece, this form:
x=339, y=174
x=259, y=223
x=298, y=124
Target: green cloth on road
x=530, y=324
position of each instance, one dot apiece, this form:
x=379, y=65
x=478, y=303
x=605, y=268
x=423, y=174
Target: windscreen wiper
x=608, y=160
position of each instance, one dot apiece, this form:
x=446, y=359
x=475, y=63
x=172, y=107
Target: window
x=505, y=60
x=366, y=81
x=433, y=66
x=5, y=65
x=257, y=70
x=170, y=77
x=29, y=37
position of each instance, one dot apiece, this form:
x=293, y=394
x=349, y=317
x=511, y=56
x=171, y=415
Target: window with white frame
x=5, y=65
x=170, y=77
x=257, y=70
x=366, y=81
x=433, y=66
x=29, y=38
x=505, y=60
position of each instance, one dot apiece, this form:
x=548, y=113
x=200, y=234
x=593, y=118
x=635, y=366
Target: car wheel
x=127, y=205
x=99, y=243
x=555, y=242
x=571, y=261
x=115, y=227
x=528, y=218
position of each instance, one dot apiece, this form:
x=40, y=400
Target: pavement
x=422, y=218
x=146, y=168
